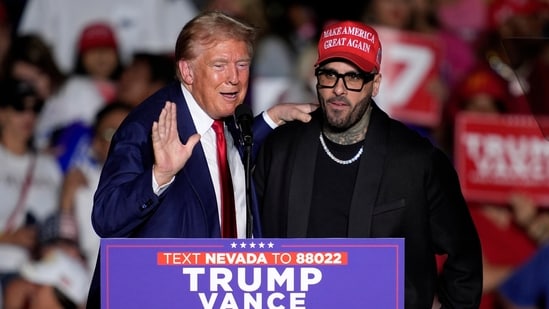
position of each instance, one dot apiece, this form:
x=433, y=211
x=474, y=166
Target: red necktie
x=228, y=217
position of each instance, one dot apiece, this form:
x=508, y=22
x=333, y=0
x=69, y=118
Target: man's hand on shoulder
x=284, y=112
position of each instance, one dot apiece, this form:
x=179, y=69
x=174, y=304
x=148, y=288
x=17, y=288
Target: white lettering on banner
x=181, y=257
x=273, y=301
x=273, y=280
x=252, y=258
x=235, y=258
x=507, y=159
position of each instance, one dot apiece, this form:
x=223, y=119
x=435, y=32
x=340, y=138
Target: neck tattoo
x=339, y=161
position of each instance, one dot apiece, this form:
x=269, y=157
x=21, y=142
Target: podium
x=271, y=273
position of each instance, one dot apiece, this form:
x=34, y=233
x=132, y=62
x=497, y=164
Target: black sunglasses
x=353, y=81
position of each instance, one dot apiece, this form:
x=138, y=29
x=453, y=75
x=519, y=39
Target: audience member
x=505, y=243
x=145, y=74
x=58, y=232
x=97, y=57
x=98, y=63
x=504, y=229
x=54, y=235
x=481, y=91
x=528, y=286
x=30, y=181
x=81, y=179
x=56, y=281
x=67, y=99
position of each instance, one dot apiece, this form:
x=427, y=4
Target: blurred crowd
x=72, y=70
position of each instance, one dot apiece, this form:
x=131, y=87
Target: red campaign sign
x=410, y=65
x=497, y=155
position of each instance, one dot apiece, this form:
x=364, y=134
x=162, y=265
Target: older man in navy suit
x=161, y=177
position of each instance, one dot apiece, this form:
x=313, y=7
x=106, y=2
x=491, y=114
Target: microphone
x=244, y=119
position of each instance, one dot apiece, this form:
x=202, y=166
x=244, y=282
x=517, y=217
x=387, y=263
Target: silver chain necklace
x=339, y=161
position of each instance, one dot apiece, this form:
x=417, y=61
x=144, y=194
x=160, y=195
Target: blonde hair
x=209, y=28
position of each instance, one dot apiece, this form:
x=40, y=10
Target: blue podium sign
x=271, y=273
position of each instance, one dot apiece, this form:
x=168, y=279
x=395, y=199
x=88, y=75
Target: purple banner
x=265, y=273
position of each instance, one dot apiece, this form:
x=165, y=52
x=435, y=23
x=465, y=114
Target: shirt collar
x=202, y=122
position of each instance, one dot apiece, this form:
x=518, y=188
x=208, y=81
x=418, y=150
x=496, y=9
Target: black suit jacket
x=405, y=187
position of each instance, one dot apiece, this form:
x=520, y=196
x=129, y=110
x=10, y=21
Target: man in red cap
x=352, y=171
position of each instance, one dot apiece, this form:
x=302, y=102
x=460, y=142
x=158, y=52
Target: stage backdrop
x=252, y=273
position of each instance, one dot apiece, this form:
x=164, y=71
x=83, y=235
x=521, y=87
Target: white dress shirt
x=203, y=124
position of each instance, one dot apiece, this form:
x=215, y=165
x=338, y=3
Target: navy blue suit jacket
x=125, y=204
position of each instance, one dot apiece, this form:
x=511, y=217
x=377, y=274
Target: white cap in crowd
x=67, y=273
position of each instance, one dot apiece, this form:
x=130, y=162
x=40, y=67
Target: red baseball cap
x=97, y=35
x=352, y=41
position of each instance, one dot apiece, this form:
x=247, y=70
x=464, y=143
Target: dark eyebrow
x=328, y=70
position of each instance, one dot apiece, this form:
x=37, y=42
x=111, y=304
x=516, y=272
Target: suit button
x=147, y=204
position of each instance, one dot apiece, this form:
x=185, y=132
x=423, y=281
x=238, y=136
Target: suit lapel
x=369, y=176
x=196, y=172
x=302, y=181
